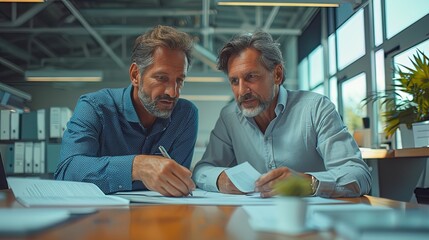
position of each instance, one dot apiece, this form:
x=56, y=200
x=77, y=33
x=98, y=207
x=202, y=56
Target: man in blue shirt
x=279, y=132
x=114, y=135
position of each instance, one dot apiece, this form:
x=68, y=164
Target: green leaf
x=413, y=81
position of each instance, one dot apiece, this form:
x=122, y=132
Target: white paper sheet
x=202, y=197
x=243, y=176
x=199, y=197
x=24, y=220
x=264, y=218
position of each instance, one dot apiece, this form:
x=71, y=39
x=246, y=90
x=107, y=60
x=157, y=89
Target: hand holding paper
x=243, y=176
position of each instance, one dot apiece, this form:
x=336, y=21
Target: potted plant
x=292, y=208
x=407, y=102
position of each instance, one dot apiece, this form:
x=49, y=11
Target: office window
x=379, y=70
x=380, y=84
x=332, y=55
x=303, y=74
x=353, y=91
x=351, y=40
x=401, y=14
x=315, y=63
x=404, y=59
x=320, y=89
x=333, y=91
x=378, y=25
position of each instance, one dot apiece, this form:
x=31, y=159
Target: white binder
x=66, y=114
x=55, y=122
x=14, y=125
x=42, y=157
x=5, y=125
x=28, y=157
x=19, y=157
x=41, y=124
x=36, y=157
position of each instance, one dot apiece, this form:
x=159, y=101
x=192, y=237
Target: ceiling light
x=64, y=76
x=22, y=1
x=224, y=98
x=284, y=3
x=205, y=79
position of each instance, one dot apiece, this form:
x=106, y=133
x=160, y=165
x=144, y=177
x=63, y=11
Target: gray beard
x=253, y=112
x=150, y=105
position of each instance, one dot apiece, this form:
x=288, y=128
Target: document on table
x=395, y=224
x=40, y=192
x=25, y=220
x=243, y=176
x=265, y=218
x=201, y=197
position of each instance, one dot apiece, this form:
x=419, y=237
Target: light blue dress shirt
x=307, y=135
x=105, y=134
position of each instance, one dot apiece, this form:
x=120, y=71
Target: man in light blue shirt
x=279, y=132
x=114, y=135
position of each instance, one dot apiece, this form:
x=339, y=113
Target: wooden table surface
x=169, y=222
x=370, y=153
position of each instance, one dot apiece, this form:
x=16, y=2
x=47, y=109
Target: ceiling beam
x=131, y=30
x=26, y=16
x=11, y=65
x=145, y=12
x=44, y=48
x=205, y=56
x=271, y=18
x=94, y=33
x=14, y=50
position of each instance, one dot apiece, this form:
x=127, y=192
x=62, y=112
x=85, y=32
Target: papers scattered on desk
x=389, y=224
x=243, y=176
x=39, y=192
x=265, y=218
x=202, y=197
x=199, y=197
x=24, y=220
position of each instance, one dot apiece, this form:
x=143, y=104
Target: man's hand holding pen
x=162, y=174
x=166, y=155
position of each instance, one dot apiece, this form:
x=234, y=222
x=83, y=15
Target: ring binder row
x=30, y=141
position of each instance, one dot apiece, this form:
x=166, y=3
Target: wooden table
x=186, y=222
x=396, y=173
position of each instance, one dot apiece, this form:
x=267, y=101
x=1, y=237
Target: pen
x=165, y=154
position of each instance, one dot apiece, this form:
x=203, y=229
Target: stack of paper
x=200, y=197
x=39, y=192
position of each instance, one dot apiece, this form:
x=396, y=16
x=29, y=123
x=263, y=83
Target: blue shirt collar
x=129, y=110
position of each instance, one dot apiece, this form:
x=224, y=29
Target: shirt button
x=120, y=186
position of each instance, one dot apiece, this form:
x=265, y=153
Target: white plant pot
x=291, y=214
x=421, y=134
x=407, y=137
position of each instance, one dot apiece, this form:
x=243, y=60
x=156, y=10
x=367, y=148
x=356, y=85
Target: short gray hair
x=160, y=36
x=271, y=55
